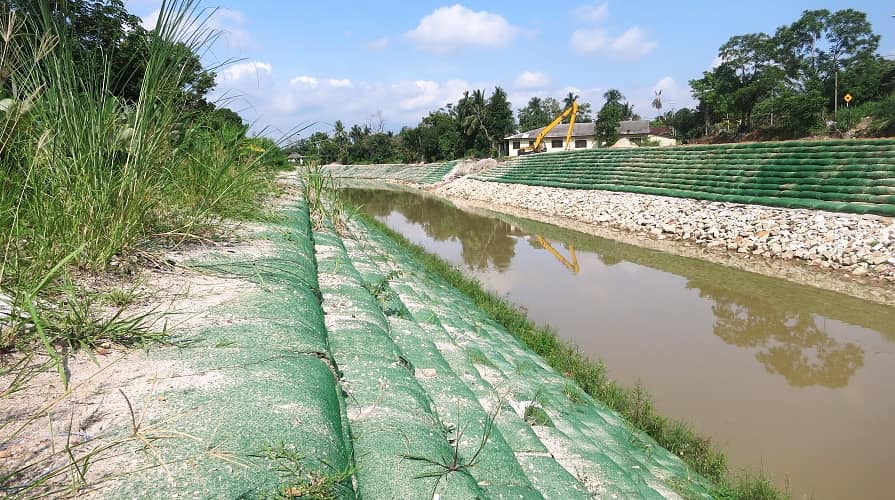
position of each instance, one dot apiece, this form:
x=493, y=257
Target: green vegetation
x=299, y=482
x=107, y=144
x=429, y=173
x=591, y=376
x=855, y=176
x=613, y=112
x=790, y=82
x=474, y=126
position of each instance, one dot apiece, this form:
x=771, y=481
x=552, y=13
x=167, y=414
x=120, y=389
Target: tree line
x=786, y=85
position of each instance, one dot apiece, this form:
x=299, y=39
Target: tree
x=538, y=113
x=499, y=116
x=584, y=110
x=657, y=101
x=470, y=114
x=439, y=137
x=820, y=44
x=686, y=123
x=107, y=40
x=609, y=117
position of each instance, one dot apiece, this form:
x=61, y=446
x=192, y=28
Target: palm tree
x=657, y=100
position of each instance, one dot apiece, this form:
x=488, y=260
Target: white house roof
x=581, y=130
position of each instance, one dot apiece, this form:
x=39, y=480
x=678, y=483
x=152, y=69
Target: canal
x=793, y=380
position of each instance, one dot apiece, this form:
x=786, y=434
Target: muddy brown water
x=797, y=381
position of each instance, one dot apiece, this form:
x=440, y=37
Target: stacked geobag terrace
x=856, y=176
x=428, y=173
x=442, y=402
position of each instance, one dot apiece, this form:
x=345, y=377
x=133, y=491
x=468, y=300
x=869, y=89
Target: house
x=555, y=140
x=639, y=132
x=296, y=159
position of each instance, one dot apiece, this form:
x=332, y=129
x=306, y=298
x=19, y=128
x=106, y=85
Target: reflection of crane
x=536, y=147
x=570, y=265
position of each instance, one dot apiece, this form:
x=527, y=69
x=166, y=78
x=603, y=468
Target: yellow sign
x=847, y=98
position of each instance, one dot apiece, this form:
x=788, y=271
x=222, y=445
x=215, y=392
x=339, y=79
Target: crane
x=537, y=146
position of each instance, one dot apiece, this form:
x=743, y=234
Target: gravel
x=863, y=245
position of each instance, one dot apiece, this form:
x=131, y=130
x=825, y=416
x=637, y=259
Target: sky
x=289, y=64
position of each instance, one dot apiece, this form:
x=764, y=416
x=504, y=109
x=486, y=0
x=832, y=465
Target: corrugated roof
x=633, y=127
x=580, y=130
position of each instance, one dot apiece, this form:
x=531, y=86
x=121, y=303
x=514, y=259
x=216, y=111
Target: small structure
x=296, y=159
x=555, y=140
x=640, y=132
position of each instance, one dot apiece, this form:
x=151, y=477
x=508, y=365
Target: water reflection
x=485, y=241
x=783, y=324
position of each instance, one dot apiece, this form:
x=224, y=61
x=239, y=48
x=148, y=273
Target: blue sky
x=297, y=62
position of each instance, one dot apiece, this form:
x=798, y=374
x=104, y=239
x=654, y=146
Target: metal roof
x=581, y=130
x=633, y=127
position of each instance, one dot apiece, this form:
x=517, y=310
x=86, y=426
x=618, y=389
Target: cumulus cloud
x=531, y=80
x=632, y=42
x=594, y=13
x=304, y=81
x=590, y=40
x=449, y=29
x=322, y=100
x=377, y=44
x=595, y=38
x=674, y=96
x=229, y=23
x=244, y=70
x=340, y=83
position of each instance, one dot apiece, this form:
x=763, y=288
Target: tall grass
x=81, y=169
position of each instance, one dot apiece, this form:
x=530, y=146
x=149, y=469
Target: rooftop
x=580, y=130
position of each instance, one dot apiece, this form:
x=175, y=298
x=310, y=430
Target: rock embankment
x=863, y=245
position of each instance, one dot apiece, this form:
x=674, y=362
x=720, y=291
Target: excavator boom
x=536, y=146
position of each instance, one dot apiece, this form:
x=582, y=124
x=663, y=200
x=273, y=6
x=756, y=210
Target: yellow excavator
x=538, y=146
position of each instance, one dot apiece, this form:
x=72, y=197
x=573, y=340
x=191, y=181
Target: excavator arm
x=536, y=147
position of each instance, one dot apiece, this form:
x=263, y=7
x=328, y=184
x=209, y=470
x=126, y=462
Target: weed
x=456, y=462
x=573, y=392
x=120, y=297
x=387, y=299
x=298, y=482
x=535, y=415
x=478, y=357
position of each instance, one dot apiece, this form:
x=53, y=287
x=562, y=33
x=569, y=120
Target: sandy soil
x=116, y=389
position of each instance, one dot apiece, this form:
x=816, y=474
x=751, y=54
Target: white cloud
x=717, y=61
x=531, y=80
x=632, y=43
x=244, y=70
x=449, y=29
x=377, y=44
x=588, y=41
x=674, y=96
x=594, y=37
x=593, y=13
x=340, y=83
x=304, y=81
x=230, y=24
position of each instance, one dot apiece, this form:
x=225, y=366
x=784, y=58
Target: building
x=640, y=132
x=555, y=140
x=296, y=159
x=636, y=131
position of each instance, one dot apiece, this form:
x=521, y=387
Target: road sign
x=847, y=98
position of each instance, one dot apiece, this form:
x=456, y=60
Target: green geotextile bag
x=448, y=344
